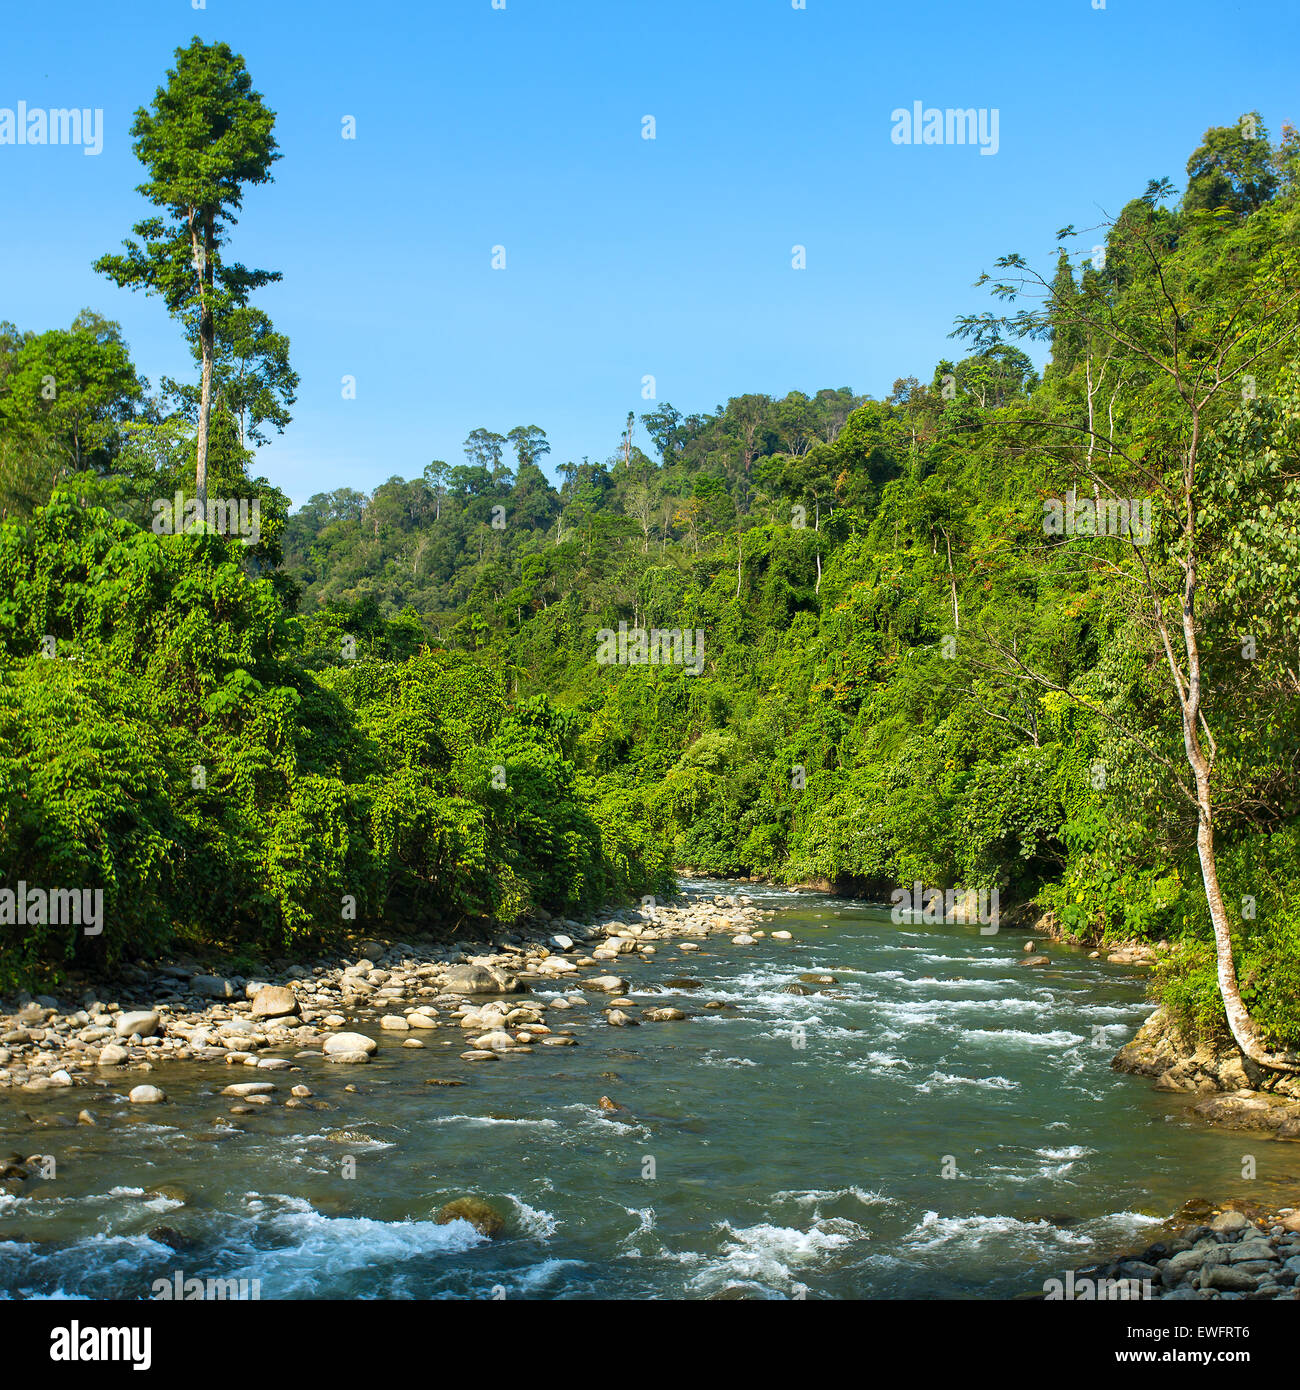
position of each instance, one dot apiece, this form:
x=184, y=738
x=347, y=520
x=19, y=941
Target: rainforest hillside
x=933, y=640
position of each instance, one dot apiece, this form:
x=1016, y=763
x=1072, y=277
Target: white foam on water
x=645, y=1219
x=533, y=1221
x=83, y=1267
x=944, y=1081
x=819, y=1196
x=312, y=1255
x=945, y=1233
x=876, y=1063
x=491, y=1121
x=539, y=1275
x=771, y=1253
x=1017, y=1037
x=713, y=1058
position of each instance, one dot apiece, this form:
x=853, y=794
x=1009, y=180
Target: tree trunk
x=207, y=335
x=1244, y=1031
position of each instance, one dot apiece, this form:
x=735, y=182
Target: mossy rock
x=485, y=1219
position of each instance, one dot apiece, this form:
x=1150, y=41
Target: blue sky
x=521, y=127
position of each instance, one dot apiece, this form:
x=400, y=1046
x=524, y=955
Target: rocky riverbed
x=1239, y=1254
x=127, y=1033
x=1225, y=1088
x=914, y=1031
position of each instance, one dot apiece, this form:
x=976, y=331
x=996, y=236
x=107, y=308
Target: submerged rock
x=485, y=1219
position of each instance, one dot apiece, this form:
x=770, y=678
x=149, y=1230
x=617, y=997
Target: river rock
x=1184, y=1263
x=212, y=987
x=274, y=1001
x=1036, y=960
x=1252, y=1110
x=496, y=1041
x=395, y=1023
x=144, y=1022
x=338, y=1043
x=485, y=1219
x=663, y=1015
x=478, y=979
x=1228, y=1221
x=112, y=1055
x=616, y=1018
x=147, y=1095
x=610, y=984
x=1228, y=1278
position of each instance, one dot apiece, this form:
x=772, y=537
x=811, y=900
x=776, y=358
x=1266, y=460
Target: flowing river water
x=941, y=1122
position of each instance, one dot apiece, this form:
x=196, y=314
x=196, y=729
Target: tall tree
x=530, y=444
x=483, y=448
x=1194, y=333
x=206, y=138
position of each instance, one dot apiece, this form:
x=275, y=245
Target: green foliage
x=397, y=704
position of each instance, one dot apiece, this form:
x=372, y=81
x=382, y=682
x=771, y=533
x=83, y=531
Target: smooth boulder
x=339, y=1043
x=144, y=1022
x=478, y=979
x=274, y=1001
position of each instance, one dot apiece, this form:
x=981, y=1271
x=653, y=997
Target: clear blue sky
x=522, y=127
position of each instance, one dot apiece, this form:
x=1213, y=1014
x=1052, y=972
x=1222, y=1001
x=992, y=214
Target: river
x=941, y=1122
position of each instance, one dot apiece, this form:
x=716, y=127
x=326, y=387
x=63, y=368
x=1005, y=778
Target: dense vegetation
x=390, y=706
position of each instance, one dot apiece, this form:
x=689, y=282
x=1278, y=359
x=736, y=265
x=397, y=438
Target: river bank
x=1236, y=1253
x=778, y=1122
x=437, y=994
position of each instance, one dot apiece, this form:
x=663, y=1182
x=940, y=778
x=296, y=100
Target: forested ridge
x=921, y=662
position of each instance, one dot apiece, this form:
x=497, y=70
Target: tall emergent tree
x=207, y=137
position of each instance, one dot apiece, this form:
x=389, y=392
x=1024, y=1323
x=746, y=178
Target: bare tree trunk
x=207, y=332
x=1244, y=1030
